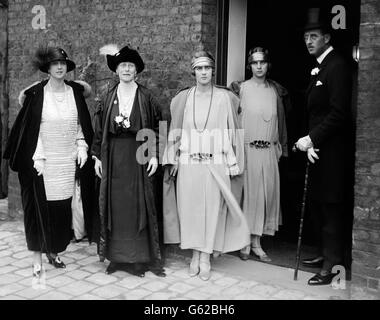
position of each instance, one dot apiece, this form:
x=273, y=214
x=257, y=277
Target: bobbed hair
x=262, y=50
x=203, y=53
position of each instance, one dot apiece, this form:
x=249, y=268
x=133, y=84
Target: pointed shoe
x=194, y=269
x=320, y=280
x=204, y=270
x=56, y=262
x=112, y=267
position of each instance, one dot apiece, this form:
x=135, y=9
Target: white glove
x=312, y=154
x=39, y=165
x=304, y=143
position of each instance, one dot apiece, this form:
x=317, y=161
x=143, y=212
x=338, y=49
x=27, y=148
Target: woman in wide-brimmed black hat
x=125, y=150
x=48, y=147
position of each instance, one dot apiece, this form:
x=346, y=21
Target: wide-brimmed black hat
x=126, y=54
x=317, y=18
x=44, y=56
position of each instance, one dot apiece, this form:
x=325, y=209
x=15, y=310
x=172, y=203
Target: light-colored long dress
x=203, y=216
x=261, y=181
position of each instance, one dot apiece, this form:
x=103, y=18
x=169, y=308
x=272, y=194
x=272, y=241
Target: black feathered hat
x=317, y=18
x=126, y=54
x=44, y=56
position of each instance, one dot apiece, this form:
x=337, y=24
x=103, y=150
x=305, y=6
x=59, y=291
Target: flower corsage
x=315, y=71
x=122, y=121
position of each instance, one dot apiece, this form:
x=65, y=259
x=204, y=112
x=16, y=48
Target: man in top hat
x=328, y=99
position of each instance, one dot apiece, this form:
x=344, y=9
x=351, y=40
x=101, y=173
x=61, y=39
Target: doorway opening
x=277, y=26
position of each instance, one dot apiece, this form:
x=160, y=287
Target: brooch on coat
x=122, y=121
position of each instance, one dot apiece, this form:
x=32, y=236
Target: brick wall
x=165, y=31
x=3, y=94
x=366, y=234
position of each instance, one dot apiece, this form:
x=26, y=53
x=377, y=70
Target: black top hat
x=44, y=56
x=125, y=55
x=317, y=19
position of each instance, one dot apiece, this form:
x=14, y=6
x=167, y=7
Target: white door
x=237, y=31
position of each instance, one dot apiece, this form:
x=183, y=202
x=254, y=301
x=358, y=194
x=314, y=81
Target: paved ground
x=84, y=278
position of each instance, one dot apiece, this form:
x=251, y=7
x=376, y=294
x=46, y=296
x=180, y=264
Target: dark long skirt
x=128, y=240
x=57, y=224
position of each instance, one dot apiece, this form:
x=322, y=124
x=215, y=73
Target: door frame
x=231, y=41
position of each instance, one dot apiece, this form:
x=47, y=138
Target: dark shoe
x=156, y=268
x=137, y=273
x=140, y=274
x=136, y=269
x=159, y=273
x=316, y=262
x=112, y=267
x=320, y=280
x=56, y=262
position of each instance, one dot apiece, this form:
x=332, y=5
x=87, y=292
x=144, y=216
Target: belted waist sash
x=261, y=144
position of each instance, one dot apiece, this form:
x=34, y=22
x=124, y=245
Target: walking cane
x=301, y=218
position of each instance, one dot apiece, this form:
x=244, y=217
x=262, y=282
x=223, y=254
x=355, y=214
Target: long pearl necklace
x=59, y=99
x=208, y=113
x=58, y=96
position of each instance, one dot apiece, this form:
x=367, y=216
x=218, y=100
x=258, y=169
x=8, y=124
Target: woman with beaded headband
x=265, y=141
x=204, y=151
x=48, y=147
x=126, y=115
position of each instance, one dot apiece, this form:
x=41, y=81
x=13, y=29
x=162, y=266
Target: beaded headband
x=197, y=61
x=256, y=56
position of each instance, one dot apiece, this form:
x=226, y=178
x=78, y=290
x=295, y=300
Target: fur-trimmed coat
x=22, y=142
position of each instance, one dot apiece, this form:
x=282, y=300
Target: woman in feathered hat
x=125, y=150
x=48, y=141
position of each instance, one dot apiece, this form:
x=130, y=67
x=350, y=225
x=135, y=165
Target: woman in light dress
x=265, y=141
x=204, y=152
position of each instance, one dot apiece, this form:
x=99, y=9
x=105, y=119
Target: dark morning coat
x=329, y=107
x=21, y=146
x=151, y=114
